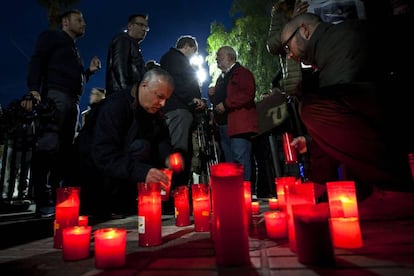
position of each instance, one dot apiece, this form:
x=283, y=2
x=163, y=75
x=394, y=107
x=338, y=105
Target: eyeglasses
x=142, y=25
x=285, y=44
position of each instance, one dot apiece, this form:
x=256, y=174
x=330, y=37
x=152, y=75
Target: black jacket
x=118, y=127
x=56, y=64
x=185, y=80
x=125, y=64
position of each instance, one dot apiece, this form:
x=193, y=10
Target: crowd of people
x=146, y=111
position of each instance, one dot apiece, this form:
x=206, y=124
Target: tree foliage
x=247, y=35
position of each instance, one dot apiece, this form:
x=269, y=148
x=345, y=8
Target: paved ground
x=387, y=224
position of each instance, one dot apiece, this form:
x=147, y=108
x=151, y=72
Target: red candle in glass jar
x=76, y=242
x=255, y=207
x=176, y=162
x=182, y=206
x=110, y=247
x=276, y=224
x=289, y=151
x=149, y=214
x=67, y=214
x=201, y=207
x=282, y=183
x=230, y=229
x=273, y=204
x=248, y=200
x=83, y=220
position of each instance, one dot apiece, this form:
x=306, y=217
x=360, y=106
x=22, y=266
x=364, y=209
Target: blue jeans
x=236, y=150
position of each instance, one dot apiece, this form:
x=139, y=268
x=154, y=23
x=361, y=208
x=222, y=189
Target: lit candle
x=165, y=192
x=182, y=206
x=342, y=199
x=346, y=232
x=344, y=217
x=76, y=242
x=201, y=207
x=176, y=162
x=297, y=193
x=110, y=247
x=83, y=220
x=276, y=225
x=231, y=240
x=282, y=182
x=149, y=214
x=273, y=204
x=314, y=244
x=255, y=207
x=248, y=200
x=67, y=214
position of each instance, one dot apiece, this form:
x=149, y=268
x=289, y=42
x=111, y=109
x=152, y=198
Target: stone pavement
x=388, y=250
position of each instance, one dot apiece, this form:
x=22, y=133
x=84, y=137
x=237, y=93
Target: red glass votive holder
x=66, y=212
x=248, y=200
x=231, y=242
x=149, y=214
x=289, y=151
x=273, y=204
x=110, y=247
x=201, y=207
x=276, y=224
x=83, y=220
x=176, y=162
x=313, y=238
x=282, y=182
x=76, y=242
x=255, y=207
x=166, y=192
x=344, y=217
x=182, y=206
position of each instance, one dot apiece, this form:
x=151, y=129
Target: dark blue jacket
x=118, y=127
x=185, y=79
x=56, y=64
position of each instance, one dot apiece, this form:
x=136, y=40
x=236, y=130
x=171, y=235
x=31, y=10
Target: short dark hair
x=68, y=13
x=131, y=18
x=186, y=40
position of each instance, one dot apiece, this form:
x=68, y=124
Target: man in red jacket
x=235, y=109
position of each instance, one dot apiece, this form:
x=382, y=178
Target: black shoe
x=45, y=211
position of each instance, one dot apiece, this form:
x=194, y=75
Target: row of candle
x=317, y=228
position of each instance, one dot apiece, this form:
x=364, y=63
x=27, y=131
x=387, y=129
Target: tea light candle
x=276, y=224
x=273, y=204
x=110, y=247
x=83, y=220
x=76, y=242
x=255, y=207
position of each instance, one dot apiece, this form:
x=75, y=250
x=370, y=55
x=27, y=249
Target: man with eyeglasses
x=125, y=64
x=341, y=113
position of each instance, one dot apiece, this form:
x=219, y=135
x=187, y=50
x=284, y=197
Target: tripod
x=206, y=149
